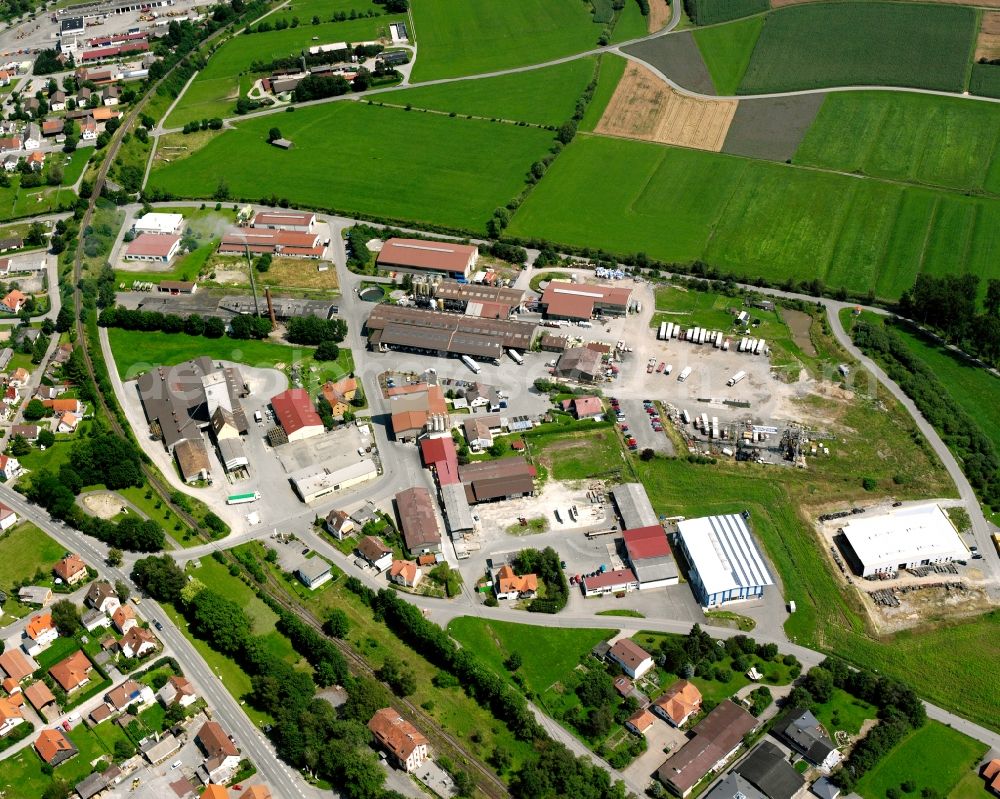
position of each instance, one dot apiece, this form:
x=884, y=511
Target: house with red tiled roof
x=71, y=569
x=39, y=695
x=14, y=301
x=124, y=619
x=39, y=632
x=137, y=642
x=72, y=672
x=10, y=716
x=640, y=721
x=340, y=394
x=54, y=748
x=405, y=744
x=991, y=773
x=296, y=414
x=177, y=690
x=405, y=572
x=509, y=585
x=678, y=703
x=15, y=665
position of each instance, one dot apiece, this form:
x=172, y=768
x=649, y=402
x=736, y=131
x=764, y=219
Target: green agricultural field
x=215, y=89
x=542, y=96
x=460, y=38
x=137, y=351
x=548, y=654
x=726, y=50
x=885, y=44
x=985, y=80
x=369, y=160
x=610, y=69
x=935, y=757
x=913, y=138
x=710, y=12
x=631, y=24
x=759, y=219
x=305, y=10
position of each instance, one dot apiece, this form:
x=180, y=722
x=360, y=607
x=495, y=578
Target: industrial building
x=440, y=456
x=418, y=521
x=619, y=581
x=298, y=221
x=419, y=330
x=418, y=256
x=725, y=564
x=581, y=364
x=633, y=506
x=650, y=557
x=152, y=247
x=581, y=301
x=903, y=538
x=416, y=409
x=314, y=482
x=158, y=224
x=487, y=302
x=295, y=413
x=489, y=481
x=280, y=242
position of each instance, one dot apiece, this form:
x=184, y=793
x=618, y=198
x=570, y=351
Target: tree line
x=958, y=429
x=241, y=327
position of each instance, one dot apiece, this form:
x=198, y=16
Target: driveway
x=661, y=738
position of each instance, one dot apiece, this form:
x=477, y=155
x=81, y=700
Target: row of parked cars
x=620, y=417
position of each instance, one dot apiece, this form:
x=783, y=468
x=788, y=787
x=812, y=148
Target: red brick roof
x=442, y=455
x=646, y=542
x=72, y=671
x=395, y=733
x=152, y=245
x=51, y=743
x=442, y=256
x=295, y=410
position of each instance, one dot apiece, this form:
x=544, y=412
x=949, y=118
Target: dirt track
x=988, y=43
x=644, y=107
x=659, y=15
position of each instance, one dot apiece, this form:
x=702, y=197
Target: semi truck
x=736, y=378
x=685, y=374
x=240, y=499
x=516, y=357
x=662, y=333
x=760, y=348
x=470, y=363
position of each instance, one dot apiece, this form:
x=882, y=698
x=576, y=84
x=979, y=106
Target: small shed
x=284, y=144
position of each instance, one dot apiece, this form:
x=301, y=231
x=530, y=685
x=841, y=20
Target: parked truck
x=685, y=374
x=240, y=499
x=470, y=363
x=516, y=357
x=736, y=378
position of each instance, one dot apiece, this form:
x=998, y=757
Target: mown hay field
x=939, y=141
x=879, y=43
x=357, y=158
x=755, y=218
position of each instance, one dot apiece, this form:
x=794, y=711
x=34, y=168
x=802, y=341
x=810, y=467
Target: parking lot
x=641, y=427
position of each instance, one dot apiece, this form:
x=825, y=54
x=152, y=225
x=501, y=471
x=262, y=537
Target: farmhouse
x=649, y=555
x=428, y=257
x=715, y=739
x=405, y=744
x=903, y=538
x=297, y=221
x=436, y=332
x=579, y=301
x=418, y=520
x=610, y=582
x=159, y=224
x=153, y=247
x=296, y=414
x=506, y=478
x=314, y=482
x=581, y=364
x=287, y=243
x=632, y=658
x=678, y=703
x=725, y=563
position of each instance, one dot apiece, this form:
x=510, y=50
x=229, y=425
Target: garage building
x=903, y=538
x=725, y=563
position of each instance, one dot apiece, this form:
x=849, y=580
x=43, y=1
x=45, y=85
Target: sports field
x=215, y=89
x=359, y=158
x=755, y=218
x=456, y=37
x=841, y=44
x=541, y=96
x=726, y=50
x=915, y=138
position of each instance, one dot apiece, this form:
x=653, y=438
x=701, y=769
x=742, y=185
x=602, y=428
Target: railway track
x=486, y=780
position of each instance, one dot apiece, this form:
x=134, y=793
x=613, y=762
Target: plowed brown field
x=988, y=43
x=659, y=15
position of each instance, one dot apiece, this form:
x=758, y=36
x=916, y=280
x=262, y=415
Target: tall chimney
x=270, y=306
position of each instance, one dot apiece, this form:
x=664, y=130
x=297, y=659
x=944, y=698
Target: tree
x=46, y=438
x=64, y=319
x=66, y=617
x=337, y=624
x=122, y=589
x=34, y=410
x=249, y=327
x=327, y=351
x=513, y=663
x=272, y=135
x=36, y=234
x=220, y=621
x=123, y=750
x=19, y=446
x=115, y=557
x=160, y=577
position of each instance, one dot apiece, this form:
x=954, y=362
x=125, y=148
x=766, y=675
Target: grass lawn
x=913, y=138
x=542, y=96
x=383, y=161
x=726, y=50
x=459, y=38
x=971, y=786
x=578, y=455
x=167, y=349
x=58, y=650
x=305, y=10
x=215, y=89
x=886, y=44
x=631, y=23
x=935, y=756
x=548, y=654
x=610, y=69
x=24, y=551
x=844, y=712
x=759, y=219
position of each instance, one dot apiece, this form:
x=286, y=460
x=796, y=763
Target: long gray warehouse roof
x=460, y=332
x=634, y=506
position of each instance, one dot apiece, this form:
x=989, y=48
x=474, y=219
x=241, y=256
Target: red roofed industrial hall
x=296, y=414
x=440, y=455
x=650, y=556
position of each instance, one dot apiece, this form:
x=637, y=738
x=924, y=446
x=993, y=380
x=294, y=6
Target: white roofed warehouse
x=159, y=224
x=724, y=562
x=903, y=538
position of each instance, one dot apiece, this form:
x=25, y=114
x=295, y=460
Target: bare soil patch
x=988, y=43
x=659, y=15
x=799, y=323
x=644, y=107
x=677, y=56
x=104, y=505
x=772, y=128
x=300, y=273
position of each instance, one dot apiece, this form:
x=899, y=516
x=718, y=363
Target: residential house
x=57, y=101
x=177, y=690
x=92, y=619
x=585, y=408
x=15, y=665
x=339, y=395
x=632, y=658
x=110, y=96
x=39, y=632
x=8, y=518
x=339, y=524
x=10, y=467
x=71, y=569
x=36, y=160
x=73, y=672
x=13, y=302
x=102, y=596
x=640, y=721
x=20, y=376
x=32, y=137
x=68, y=423
x=40, y=697
x=477, y=433
x=11, y=396
x=54, y=748
x=678, y=703
x=221, y=755
x=313, y=572
x=10, y=144
x=990, y=773
x=128, y=693
x=88, y=129
x=61, y=406
x=800, y=729
x=406, y=745
x=214, y=791
x=124, y=619
x=10, y=716
x=405, y=572
x=768, y=770
x=509, y=585
x=53, y=127
x=5, y=77
x=377, y=554
x=137, y=642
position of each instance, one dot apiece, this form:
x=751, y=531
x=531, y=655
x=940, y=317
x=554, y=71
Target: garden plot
x=644, y=107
